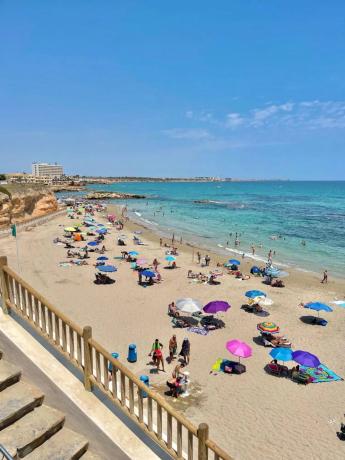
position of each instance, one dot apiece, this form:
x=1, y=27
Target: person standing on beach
x=325, y=277
x=172, y=347
x=207, y=260
x=198, y=256
x=173, y=239
x=160, y=242
x=155, y=264
x=185, y=350
x=253, y=250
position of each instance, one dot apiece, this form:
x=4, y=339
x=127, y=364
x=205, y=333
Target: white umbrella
x=188, y=305
x=265, y=302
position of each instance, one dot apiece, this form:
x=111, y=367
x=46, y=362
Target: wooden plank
x=50, y=324
x=149, y=413
x=123, y=388
x=64, y=335
x=71, y=343
x=114, y=381
x=106, y=373
x=190, y=445
x=140, y=406
x=98, y=367
x=131, y=397
x=179, y=439
x=43, y=318
x=57, y=330
x=79, y=350
x=169, y=430
x=159, y=421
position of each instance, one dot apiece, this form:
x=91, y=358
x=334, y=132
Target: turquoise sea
x=270, y=215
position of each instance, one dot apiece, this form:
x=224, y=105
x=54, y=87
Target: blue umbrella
x=254, y=293
x=100, y=225
x=281, y=354
x=92, y=243
x=305, y=359
x=102, y=258
x=148, y=273
x=170, y=258
x=133, y=253
x=318, y=306
x=107, y=268
x=234, y=262
x=102, y=231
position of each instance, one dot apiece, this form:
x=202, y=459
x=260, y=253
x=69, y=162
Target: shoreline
x=294, y=272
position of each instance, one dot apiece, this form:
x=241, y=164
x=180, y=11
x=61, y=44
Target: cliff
x=21, y=202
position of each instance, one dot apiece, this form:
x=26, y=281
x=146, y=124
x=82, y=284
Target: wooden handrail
x=12, y=283
x=42, y=299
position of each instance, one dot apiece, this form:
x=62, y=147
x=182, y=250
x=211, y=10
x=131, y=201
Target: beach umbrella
x=101, y=231
x=234, y=262
x=92, y=243
x=305, y=359
x=318, y=306
x=170, y=258
x=188, y=305
x=142, y=261
x=102, y=258
x=264, y=301
x=148, y=273
x=254, y=293
x=238, y=348
x=107, y=268
x=100, y=225
x=216, y=306
x=70, y=229
x=133, y=253
x=268, y=328
x=281, y=354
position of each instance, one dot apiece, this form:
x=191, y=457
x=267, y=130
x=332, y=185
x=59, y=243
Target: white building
x=47, y=170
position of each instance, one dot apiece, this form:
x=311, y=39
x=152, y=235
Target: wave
x=227, y=204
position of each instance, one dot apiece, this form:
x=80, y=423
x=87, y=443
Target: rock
x=112, y=196
x=25, y=202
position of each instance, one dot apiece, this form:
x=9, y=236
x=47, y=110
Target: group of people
x=177, y=376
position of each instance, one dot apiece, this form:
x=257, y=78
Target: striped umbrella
x=268, y=328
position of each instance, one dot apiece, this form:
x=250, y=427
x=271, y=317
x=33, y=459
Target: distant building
x=47, y=170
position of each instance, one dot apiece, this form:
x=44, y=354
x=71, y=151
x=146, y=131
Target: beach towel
x=217, y=365
x=198, y=330
x=321, y=374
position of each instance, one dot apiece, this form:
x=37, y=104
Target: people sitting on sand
x=276, y=340
x=120, y=242
x=175, y=386
x=299, y=376
x=173, y=265
x=177, y=372
x=212, y=279
x=172, y=310
x=157, y=355
x=277, y=283
x=277, y=368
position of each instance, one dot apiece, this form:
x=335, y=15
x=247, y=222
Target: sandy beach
x=253, y=415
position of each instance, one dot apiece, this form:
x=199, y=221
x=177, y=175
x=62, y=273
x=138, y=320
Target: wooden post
x=87, y=334
x=202, y=438
x=3, y=285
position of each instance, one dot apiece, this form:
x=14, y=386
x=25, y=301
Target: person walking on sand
x=198, y=256
x=157, y=355
x=325, y=277
x=155, y=264
x=160, y=242
x=207, y=260
x=253, y=250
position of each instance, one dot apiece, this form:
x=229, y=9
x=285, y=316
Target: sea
x=303, y=223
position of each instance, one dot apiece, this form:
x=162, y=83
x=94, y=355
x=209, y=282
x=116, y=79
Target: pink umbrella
x=238, y=348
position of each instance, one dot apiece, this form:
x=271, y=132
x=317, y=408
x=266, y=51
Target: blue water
x=257, y=211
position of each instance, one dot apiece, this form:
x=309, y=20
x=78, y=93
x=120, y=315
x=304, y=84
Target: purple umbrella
x=305, y=359
x=238, y=348
x=216, y=306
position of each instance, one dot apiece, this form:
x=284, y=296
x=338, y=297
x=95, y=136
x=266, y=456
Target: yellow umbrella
x=70, y=229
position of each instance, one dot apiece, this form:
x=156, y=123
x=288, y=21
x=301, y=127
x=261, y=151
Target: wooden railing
x=149, y=410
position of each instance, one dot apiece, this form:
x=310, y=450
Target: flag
x=14, y=230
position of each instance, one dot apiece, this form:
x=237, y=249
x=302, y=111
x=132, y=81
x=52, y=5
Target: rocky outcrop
x=21, y=202
x=112, y=196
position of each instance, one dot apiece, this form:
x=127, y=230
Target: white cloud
x=233, y=120
x=190, y=134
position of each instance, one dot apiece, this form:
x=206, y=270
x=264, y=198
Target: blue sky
x=252, y=89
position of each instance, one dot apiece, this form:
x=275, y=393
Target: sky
x=231, y=88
